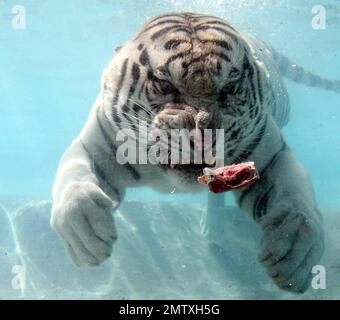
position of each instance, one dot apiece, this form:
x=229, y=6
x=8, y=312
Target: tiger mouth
x=189, y=172
x=191, y=167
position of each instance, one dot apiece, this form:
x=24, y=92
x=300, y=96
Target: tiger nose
x=175, y=119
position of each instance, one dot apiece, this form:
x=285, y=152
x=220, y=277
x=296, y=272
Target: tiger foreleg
x=282, y=203
x=83, y=201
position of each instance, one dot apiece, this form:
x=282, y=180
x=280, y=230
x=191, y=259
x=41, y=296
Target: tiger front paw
x=83, y=219
x=292, y=244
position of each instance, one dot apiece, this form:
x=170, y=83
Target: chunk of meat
x=231, y=177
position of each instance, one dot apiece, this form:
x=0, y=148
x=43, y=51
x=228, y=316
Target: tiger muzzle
x=192, y=125
x=177, y=116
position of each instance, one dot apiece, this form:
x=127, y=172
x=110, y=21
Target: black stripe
x=142, y=90
x=221, y=30
x=174, y=43
x=147, y=94
x=260, y=204
x=199, y=16
x=100, y=172
x=163, y=31
x=243, y=195
x=273, y=159
x=177, y=56
x=247, y=67
x=219, y=43
x=135, y=174
x=231, y=127
x=121, y=81
x=163, y=71
x=135, y=73
x=227, y=89
x=231, y=152
x=177, y=22
x=259, y=84
x=150, y=75
x=235, y=134
x=257, y=121
x=212, y=53
x=186, y=71
x=136, y=107
x=144, y=58
x=126, y=110
x=252, y=111
x=262, y=172
x=256, y=110
x=218, y=68
x=165, y=16
x=234, y=72
x=248, y=151
x=212, y=22
x=117, y=120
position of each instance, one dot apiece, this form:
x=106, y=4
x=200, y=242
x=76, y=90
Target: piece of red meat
x=231, y=177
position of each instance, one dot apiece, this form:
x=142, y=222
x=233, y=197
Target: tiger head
x=185, y=71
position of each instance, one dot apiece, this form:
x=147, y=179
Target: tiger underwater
x=188, y=70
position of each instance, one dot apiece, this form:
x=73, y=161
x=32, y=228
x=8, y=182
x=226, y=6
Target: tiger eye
x=234, y=73
x=166, y=87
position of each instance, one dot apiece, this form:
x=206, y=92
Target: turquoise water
x=50, y=75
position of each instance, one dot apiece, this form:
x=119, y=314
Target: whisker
x=138, y=119
x=127, y=125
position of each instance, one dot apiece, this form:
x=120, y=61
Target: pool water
x=49, y=78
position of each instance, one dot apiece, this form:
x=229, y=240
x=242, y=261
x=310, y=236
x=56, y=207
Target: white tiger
x=189, y=70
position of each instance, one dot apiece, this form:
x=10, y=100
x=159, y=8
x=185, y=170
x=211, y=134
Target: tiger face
x=188, y=71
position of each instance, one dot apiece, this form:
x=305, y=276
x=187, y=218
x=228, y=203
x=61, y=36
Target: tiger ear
x=118, y=49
